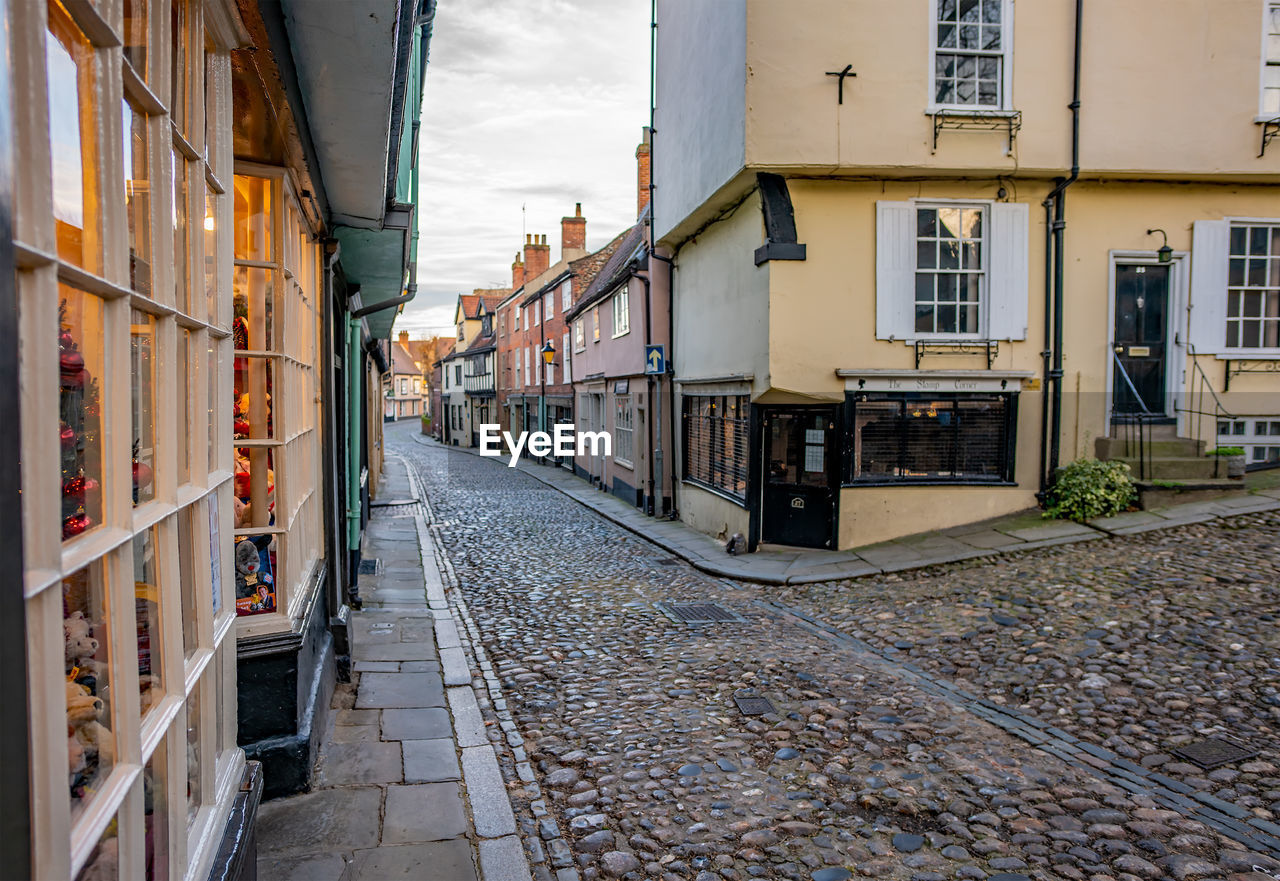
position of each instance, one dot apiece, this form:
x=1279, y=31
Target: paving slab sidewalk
x=407, y=784
x=1004, y=535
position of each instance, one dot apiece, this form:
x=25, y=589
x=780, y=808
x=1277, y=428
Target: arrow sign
x=655, y=360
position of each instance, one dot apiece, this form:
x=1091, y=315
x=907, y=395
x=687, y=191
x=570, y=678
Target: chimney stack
x=573, y=234
x=537, y=256
x=642, y=174
x=404, y=338
x=517, y=272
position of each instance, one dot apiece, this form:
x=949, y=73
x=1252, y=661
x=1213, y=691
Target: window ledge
x=1248, y=355
x=880, y=484
x=972, y=112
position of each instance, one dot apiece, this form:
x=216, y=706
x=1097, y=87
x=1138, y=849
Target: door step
x=1125, y=447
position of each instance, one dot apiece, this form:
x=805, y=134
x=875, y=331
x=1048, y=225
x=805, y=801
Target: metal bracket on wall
x=848, y=68
x=977, y=120
x=1270, y=129
x=1242, y=366
x=990, y=348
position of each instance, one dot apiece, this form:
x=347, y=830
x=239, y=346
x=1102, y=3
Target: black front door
x=1141, y=337
x=798, y=507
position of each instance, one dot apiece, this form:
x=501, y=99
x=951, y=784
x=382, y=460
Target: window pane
x=946, y=36
x=187, y=582
x=1239, y=236
x=104, y=860
x=137, y=197
x=179, y=33
x=991, y=10
x=211, y=252
x=969, y=10
x=1258, y=240
x=926, y=222
x=947, y=319
x=183, y=374
x=181, y=247
x=948, y=254
x=253, y=306
x=194, y=752
x=69, y=69
x=1257, y=273
x=142, y=356
x=924, y=287
x=946, y=288
x=135, y=35
x=926, y=257
x=146, y=601
x=155, y=794
x=924, y=318
x=969, y=36
x=211, y=373
x=252, y=411
x=252, y=218
x=876, y=439
x=80, y=409
x=86, y=633
x=1235, y=272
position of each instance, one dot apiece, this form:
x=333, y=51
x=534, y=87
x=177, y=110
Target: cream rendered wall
x=700, y=90
x=721, y=304
x=1102, y=217
x=1166, y=90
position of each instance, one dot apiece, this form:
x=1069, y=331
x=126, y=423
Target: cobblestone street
x=1008, y=718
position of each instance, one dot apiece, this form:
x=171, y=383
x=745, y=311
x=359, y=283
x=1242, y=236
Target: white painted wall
x=700, y=113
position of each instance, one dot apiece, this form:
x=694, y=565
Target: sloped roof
x=480, y=343
x=613, y=271
x=401, y=360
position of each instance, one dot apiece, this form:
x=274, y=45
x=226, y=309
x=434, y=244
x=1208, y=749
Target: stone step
x=1176, y=467
x=1166, y=493
x=1116, y=447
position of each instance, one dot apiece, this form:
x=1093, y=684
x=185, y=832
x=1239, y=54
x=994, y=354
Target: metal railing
x=1134, y=428
x=1198, y=398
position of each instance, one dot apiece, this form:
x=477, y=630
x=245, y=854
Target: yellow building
x=919, y=250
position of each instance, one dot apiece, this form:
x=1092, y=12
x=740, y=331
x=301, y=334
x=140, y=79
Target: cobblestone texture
x=642, y=758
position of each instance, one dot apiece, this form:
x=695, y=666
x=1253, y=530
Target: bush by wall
x=1088, y=488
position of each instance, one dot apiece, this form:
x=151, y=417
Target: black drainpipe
x=671, y=265
x=1057, y=200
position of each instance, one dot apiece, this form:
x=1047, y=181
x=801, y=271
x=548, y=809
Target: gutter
x=1057, y=202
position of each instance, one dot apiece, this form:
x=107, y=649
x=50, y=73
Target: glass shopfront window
x=130, y=539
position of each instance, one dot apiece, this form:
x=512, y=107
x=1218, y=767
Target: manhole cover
x=369, y=566
x=1213, y=752
x=750, y=705
x=698, y=613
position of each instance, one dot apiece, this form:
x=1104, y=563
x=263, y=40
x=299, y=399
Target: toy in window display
x=141, y=474
x=255, y=588
x=78, y=412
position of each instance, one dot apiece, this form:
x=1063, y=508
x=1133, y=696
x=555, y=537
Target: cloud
x=537, y=104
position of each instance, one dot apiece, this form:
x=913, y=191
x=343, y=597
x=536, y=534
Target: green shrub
x=1227, y=451
x=1088, y=488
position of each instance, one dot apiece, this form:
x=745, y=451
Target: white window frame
x=568, y=363
x=537, y=314
x=1269, y=7
x=515, y=320
x=622, y=310
x=579, y=334
x=595, y=324
x=1271, y=265
x=1005, y=104
x=623, y=431
x=566, y=295
x=549, y=309
x=984, y=294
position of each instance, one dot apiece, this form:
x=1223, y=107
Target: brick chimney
x=517, y=272
x=404, y=338
x=537, y=256
x=642, y=174
x=573, y=234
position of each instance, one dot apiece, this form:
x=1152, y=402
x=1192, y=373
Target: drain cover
x=369, y=566
x=751, y=705
x=1212, y=752
x=698, y=613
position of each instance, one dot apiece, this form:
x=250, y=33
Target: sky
x=526, y=103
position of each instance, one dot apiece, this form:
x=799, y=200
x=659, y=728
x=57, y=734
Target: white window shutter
x=1209, y=245
x=1007, y=271
x=895, y=270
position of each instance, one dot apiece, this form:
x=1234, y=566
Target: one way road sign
x=655, y=359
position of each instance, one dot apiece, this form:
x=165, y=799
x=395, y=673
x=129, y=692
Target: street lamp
x=548, y=358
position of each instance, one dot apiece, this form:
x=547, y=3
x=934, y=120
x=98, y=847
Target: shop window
x=211, y=374
x=905, y=438
x=137, y=196
x=715, y=442
x=146, y=600
x=69, y=69
x=80, y=409
x=142, y=353
x=211, y=253
x=180, y=58
x=91, y=741
x=623, y=430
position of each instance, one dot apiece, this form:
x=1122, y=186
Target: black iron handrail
x=1134, y=423
x=1200, y=385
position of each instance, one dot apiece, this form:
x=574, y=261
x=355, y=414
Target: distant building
x=402, y=388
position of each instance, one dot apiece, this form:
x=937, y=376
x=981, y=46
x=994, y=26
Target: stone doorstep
x=382, y=691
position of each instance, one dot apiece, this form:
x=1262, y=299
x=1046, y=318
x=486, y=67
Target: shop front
x=123, y=238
